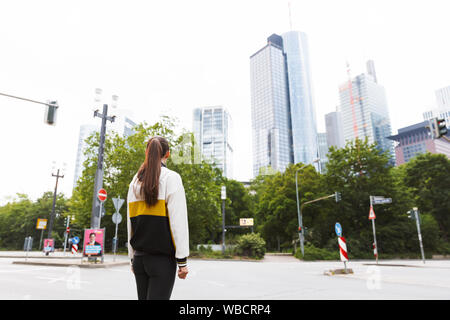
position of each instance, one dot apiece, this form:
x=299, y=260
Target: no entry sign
x=102, y=195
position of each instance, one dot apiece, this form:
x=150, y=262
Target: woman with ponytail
x=158, y=235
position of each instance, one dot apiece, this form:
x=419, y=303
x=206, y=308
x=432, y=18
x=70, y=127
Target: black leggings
x=155, y=276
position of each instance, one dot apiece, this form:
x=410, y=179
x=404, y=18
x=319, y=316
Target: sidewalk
x=39, y=254
x=59, y=259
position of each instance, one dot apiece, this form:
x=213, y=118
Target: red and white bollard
x=343, y=251
x=74, y=248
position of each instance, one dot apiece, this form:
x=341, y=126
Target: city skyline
x=69, y=53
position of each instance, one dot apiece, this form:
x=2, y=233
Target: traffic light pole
x=53, y=105
x=98, y=180
x=416, y=212
x=66, y=234
x=52, y=216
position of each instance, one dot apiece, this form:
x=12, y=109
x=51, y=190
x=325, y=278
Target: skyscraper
x=323, y=150
x=333, y=124
x=85, y=131
x=442, y=110
x=283, y=115
x=303, y=114
x=212, y=127
x=365, y=112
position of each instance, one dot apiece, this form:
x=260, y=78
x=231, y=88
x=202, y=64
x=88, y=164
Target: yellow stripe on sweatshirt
x=139, y=208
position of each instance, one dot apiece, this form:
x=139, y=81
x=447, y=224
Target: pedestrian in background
x=158, y=234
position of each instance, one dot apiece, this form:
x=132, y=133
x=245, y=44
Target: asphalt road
x=274, y=278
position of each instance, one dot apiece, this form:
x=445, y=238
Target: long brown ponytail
x=150, y=169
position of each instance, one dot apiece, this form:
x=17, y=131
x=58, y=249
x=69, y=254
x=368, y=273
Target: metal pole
x=419, y=234
x=223, y=226
x=300, y=222
x=65, y=235
x=374, y=232
x=115, y=242
x=52, y=216
x=98, y=180
x=40, y=241
x=100, y=214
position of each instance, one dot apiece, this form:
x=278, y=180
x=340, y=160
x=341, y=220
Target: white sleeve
x=178, y=219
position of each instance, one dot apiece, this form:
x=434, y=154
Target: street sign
x=371, y=214
x=102, y=195
x=117, y=218
x=41, y=224
x=67, y=229
x=118, y=203
x=338, y=229
x=246, y=222
x=75, y=240
x=381, y=200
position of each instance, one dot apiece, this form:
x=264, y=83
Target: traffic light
x=337, y=196
x=50, y=112
x=438, y=128
x=411, y=214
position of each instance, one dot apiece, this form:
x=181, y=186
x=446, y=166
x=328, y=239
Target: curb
x=37, y=257
x=78, y=264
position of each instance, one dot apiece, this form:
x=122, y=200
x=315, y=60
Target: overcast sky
x=172, y=56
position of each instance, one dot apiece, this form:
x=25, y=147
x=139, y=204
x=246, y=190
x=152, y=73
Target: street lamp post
x=301, y=233
x=299, y=214
x=98, y=179
x=223, y=196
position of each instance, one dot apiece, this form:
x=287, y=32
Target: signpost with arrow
x=376, y=200
x=116, y=218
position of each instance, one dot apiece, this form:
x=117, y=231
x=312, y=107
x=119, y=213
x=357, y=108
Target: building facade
x=85, y=131
x=365, y=112
x=271, y=122
x=442, y=110
x=212, y=127
x=323, y=151
x=283, y=115
x=333, y=125
x=416, y=139
x=303, y=114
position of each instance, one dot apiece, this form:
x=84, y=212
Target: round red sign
x=102, y=195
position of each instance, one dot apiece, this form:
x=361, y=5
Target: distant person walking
x=158, y=234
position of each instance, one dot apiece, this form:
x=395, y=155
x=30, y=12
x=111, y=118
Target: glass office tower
x=271, y=123
x=212, y=127
x=365, y=112
x=283, y=115
x=303, y=114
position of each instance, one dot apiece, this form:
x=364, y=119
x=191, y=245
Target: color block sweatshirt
x=161, y=228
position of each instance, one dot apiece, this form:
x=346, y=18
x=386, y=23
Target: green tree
x=427, y=176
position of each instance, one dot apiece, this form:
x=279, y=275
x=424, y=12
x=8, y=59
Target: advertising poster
x=49, y=245
x=93, y=242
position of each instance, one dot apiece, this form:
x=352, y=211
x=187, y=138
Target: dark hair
x=150, y=169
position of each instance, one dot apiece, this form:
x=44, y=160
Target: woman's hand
x=182, y=272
